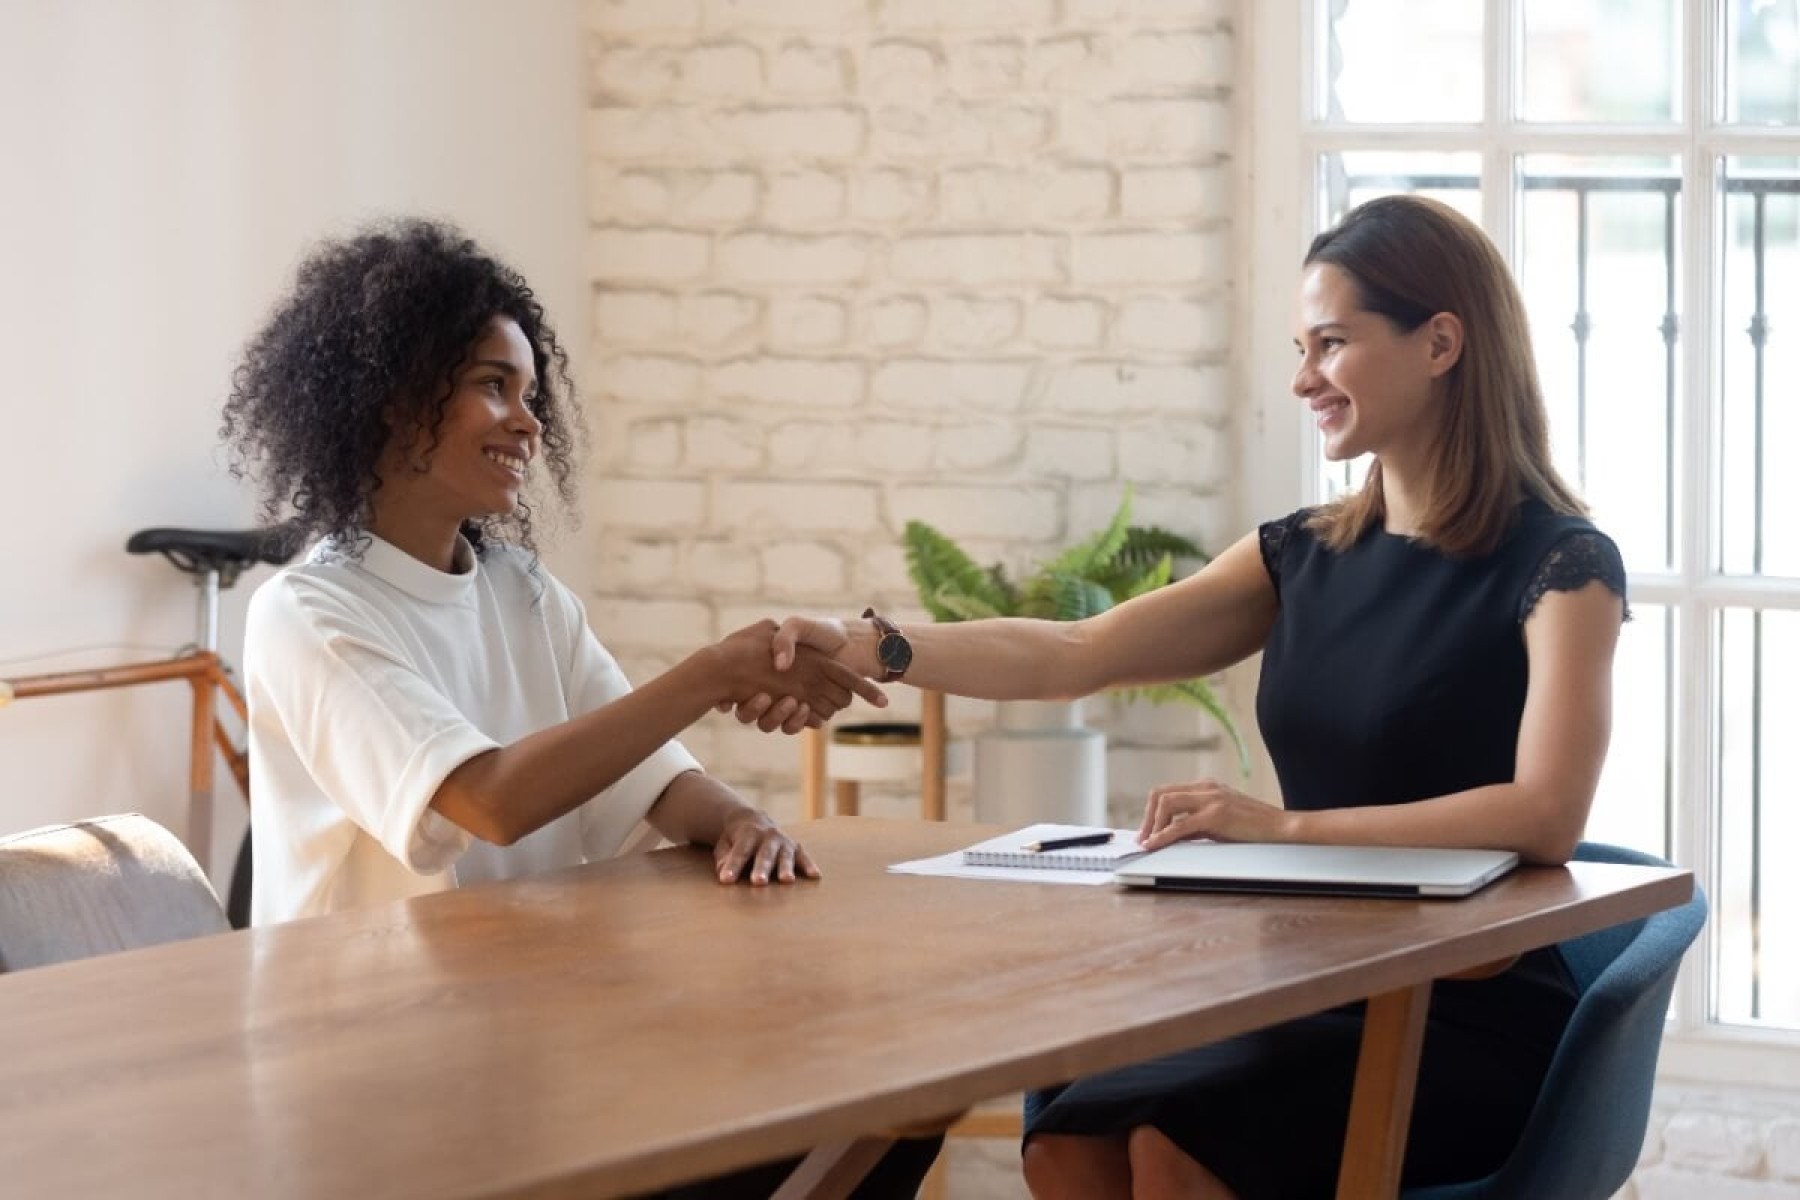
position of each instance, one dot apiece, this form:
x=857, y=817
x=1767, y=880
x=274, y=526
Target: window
x=1638, y=163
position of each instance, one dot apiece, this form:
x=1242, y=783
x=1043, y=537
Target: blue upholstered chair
x=1583, y=1137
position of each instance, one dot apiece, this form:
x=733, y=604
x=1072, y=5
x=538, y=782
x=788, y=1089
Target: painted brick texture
x=861, y=261
x=1720, y=1143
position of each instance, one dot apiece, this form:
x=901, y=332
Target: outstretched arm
x=503, y=795
x=1202, y=624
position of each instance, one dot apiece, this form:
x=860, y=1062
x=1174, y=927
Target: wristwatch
x=893, y=651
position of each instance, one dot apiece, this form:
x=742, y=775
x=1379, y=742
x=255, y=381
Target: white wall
x=165, y=165
x=855, y=263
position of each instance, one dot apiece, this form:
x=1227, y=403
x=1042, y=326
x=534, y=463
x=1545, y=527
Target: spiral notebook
x=1010, y=849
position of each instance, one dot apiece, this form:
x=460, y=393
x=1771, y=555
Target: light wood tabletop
x=625, y=1026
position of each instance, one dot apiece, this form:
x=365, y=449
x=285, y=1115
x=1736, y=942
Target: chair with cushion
x=1583, y=1137
x=93, y=887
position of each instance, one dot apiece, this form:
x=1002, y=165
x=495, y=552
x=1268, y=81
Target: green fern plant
x=1110, y=567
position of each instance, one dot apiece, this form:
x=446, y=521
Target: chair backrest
x=1587, y=1128
x=92, y=887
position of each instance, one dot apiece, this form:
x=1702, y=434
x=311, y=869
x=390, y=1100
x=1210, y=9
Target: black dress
x=1392, y=673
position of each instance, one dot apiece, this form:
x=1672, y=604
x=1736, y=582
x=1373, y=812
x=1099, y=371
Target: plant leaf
x=940, y=570
x=1156, y=575
x=960, y=606
x=1092, y=556
x=1116, y=564
x=1076, y=599
x=1144, y=544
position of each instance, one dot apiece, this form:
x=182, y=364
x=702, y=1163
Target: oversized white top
x=370, y=679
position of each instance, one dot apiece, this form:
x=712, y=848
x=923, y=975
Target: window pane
x=1762, y=70
x=1385, y=57
x=1350, y=178
x=1601, y=60
x=1759, y=776
x=1597, y=266
x=1631, y=807
x=1759, y=423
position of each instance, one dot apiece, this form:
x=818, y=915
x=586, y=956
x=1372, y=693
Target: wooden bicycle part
x=206, y=676
x=200, y=765
x=61, y=683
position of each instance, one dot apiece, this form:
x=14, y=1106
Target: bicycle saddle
x=227, y=551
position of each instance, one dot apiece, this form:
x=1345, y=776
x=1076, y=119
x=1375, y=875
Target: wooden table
x=622, y=1027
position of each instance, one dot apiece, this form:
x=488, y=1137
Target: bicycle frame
x=205, y=673
x=213, y=559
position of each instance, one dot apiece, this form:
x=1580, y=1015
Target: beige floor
x=977, y=1169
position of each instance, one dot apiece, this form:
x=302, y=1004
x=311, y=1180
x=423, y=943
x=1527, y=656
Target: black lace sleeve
x=1272, y=537
x=1572, y=564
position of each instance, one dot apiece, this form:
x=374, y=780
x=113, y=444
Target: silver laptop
x=1316, y=870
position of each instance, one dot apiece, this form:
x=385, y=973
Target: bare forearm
x=505, y=794
x=1009, y=658
x=1541, y=827
x=694, y=808
x=1200, y=625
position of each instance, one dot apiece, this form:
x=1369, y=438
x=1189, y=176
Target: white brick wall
x=857, y=262
x=1721, y=1144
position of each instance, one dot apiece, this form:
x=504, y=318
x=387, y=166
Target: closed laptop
x=1321, y=870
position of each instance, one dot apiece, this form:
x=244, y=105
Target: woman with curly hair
x=428, y=707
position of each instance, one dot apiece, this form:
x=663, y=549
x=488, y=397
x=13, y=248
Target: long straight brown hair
x=1409, y=259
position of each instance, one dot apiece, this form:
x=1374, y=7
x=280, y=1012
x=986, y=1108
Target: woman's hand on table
x=1207, y=808
x=751, y=846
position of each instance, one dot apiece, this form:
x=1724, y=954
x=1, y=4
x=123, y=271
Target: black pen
x=1064, y=843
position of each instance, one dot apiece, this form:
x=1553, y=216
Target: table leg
x=1387, y=1072
x=831, y=1172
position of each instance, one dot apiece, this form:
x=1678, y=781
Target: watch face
x=895, y=653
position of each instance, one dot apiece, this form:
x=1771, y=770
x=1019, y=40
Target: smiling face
x=1371, y=386
x=473, y=465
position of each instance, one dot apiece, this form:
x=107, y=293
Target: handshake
x=797, y=674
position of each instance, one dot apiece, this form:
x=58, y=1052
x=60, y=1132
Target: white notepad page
x=1008, y=850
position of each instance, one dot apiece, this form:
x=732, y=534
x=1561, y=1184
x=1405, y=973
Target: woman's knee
x=1161, y=1170
x=1065, y=1165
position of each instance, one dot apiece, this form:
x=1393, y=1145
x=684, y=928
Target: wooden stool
x=858, y=754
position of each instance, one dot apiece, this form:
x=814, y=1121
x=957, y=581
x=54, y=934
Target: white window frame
x=1279, y=146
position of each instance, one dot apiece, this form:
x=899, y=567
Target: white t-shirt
x=370, y=679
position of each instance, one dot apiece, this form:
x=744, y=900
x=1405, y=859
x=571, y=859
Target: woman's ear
x=406, y=441
x=1444, y=342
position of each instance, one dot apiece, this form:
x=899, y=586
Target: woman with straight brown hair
x=1412, y=258
x=1436, y=671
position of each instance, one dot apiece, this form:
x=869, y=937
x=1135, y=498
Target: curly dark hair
x=368, y=341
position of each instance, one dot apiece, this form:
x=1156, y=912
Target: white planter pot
x=1040, y=763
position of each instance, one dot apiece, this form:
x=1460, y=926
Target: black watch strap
x=892, y=650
